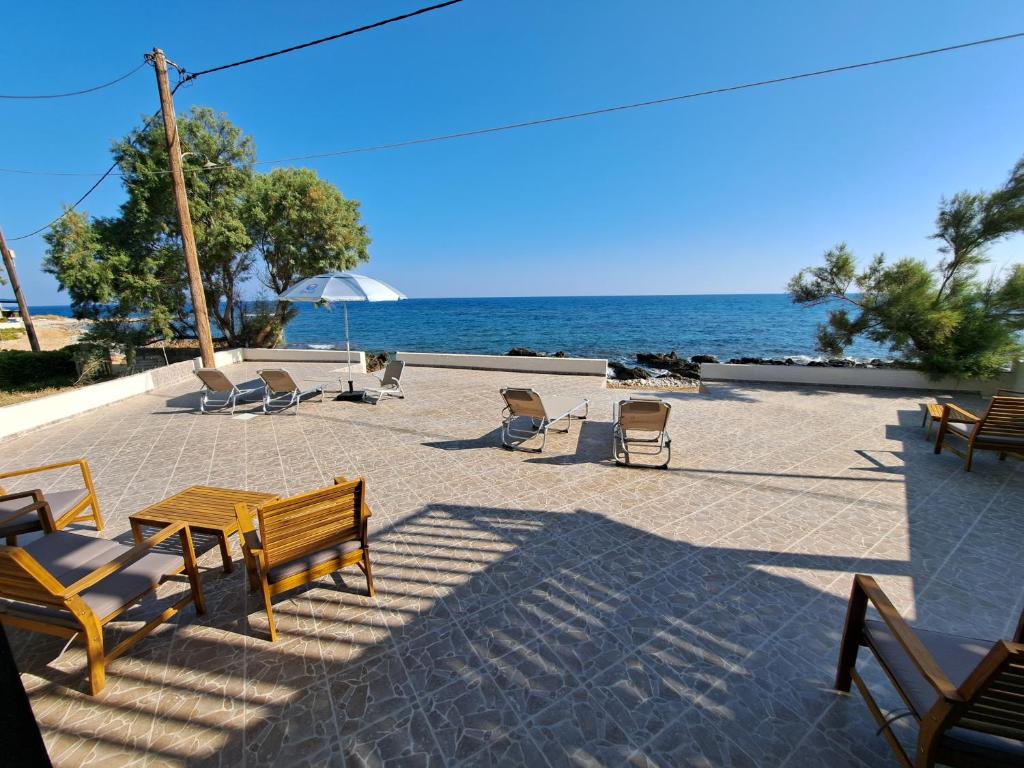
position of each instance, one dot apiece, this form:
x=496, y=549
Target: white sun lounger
x=542, y=410
x=214, y=381
x=279, y=385
x=641, y=429
x=390, y=383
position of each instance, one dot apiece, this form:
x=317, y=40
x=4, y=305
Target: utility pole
x=188, y=240
x=26, y=317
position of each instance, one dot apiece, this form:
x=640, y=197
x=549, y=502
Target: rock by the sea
x=703, y=359
x=522, y=352
x=670, y=362
x=620, y=371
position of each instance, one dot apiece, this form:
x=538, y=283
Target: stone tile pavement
x=534, y=609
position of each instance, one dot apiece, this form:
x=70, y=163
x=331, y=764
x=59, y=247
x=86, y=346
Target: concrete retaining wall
x=304, y=356
x=575, y=366
x=22, y=417
x=888, y=378
x=32, y=414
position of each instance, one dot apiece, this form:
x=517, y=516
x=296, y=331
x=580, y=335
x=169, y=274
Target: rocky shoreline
x=668, y=369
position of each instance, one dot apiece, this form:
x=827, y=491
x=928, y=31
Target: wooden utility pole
x=26, y=317
x=188, y=239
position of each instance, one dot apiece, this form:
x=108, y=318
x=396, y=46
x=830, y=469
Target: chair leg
x=850, y=644
x=970, y=458
x=94, y=503
x=97, y=661
x=369, y=573
x=270, y=612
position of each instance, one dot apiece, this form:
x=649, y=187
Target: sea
x=613, y=327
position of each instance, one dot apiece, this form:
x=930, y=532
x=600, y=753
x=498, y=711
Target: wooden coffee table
x=205, y=509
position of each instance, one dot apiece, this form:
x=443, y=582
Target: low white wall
x=22, y=417
x=890, y=378
x=578, y=366
x=32, y=414
x=304, y=356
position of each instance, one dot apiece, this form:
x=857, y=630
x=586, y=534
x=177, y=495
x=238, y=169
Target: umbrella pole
x=348, y=349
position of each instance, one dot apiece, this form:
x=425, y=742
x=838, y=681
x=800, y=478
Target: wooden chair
x=69, y=584
x=18, y=514
x=304, y=537
x=966, y=695
x=1000, y=429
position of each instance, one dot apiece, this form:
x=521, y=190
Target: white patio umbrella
x=342, y=287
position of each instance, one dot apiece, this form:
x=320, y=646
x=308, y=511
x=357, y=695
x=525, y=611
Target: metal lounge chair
x=1000, y=429
x=648, y=416
x=304, y=537
x=214, y=381
x=542, y=410
x=19, y=511
x=279, y=385
x=390, y=383
x=70, y=585
x=966, y=695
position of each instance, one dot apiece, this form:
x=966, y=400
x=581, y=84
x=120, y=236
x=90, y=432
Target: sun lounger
x=214, y=381
x=390, y=383
x=279, y=385
x=542, y=410
x=641, y=429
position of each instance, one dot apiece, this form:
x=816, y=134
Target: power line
x=524, y=124
x=106, y=174
x=577, y=115
x=75, y=93
x=311, y=43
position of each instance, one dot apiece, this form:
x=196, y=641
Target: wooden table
x=205, y=509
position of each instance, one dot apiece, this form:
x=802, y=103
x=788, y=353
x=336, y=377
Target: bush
x=36, y=370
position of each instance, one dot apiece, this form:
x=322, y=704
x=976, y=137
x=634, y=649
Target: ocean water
x=614, y=327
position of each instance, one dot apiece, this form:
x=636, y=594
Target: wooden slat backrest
x=296, y=526
x=24, y=579
x=994, y=693
x=1004, y=418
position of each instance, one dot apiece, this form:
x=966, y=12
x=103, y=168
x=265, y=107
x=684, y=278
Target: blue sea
x=613, y=327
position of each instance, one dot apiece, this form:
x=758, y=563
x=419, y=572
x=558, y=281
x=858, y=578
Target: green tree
x=251, y=228
x=946, y=319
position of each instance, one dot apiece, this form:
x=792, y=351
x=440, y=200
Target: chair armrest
x=38, y=505
x=46, y=468
x=911, y=644
x=135, y=553
x=949, y=409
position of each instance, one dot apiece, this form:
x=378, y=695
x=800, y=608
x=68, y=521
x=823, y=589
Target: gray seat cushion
x=60, y=503
x=283, y=571
x=964, y=429
x=70, y=556
x=967, y=429
x=956, y=656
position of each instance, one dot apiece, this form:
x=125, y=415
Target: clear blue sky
x=724, y=194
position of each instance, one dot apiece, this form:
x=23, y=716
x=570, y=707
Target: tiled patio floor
x=537, y=609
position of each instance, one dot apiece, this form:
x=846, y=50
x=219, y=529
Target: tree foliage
x=251, y=229
x=946, y=319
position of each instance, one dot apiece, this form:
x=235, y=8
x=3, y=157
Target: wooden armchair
x=1000, y=429
x=966, y=695
x=304, y=537
x=66, y=584
x=18, y=516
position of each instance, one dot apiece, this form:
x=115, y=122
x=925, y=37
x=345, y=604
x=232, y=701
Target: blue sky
x=724, y=194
